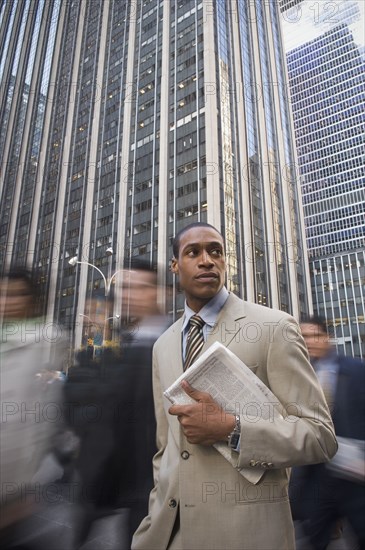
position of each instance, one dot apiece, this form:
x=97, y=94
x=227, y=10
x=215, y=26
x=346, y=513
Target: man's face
x=139, y=298
x=316, y=340
x=15, y=299
x=201, y=265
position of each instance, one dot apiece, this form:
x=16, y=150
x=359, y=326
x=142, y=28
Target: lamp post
x=105, y=322
x=87, y=317
x=117, y=316
x=107, y=284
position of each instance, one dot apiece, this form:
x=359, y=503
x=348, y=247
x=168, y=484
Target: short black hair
x=137, y=264
x=177, y=238
x=29, y=278
x=316, y=320
x=25, y=275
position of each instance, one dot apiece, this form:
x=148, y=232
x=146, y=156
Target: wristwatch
x=234, y=436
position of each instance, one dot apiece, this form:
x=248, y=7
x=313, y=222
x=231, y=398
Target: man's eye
x=216, y=252
x=192, y=253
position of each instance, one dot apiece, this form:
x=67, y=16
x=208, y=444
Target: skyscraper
x=326, y=65
x=123, y=121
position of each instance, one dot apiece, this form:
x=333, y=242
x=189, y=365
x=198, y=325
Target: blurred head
x=316, y=338
x=139, y=290
x=199, y=261
x=18, y=293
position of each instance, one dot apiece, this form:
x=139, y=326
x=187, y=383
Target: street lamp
x=93, y=322
x=113, y=317
x=87, y=317
x=107, y=282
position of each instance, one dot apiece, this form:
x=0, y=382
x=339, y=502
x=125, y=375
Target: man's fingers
x=180, y=410
x=175, y=410
x=195, y=394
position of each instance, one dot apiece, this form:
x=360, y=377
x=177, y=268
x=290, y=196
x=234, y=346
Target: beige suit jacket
x=241, y=504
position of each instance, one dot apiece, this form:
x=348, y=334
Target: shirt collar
x=329, y=362
x=209, y=312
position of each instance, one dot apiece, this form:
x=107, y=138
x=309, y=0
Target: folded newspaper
x=349, y=461
x=231, y=383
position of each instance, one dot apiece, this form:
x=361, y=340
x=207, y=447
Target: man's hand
x=204, y=421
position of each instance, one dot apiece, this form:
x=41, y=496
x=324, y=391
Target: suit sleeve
x=161, y=442
x=304, y=434
x=161, y=420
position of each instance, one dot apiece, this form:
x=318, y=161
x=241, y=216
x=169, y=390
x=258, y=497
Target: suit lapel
x=176, y=362
x=224, y=331
x=227, y=325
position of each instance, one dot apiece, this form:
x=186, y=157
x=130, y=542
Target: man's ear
x=173, y=266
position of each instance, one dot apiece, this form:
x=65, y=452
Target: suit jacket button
x=172, y=503
x=253, y=462
x=264, y=464
x=185, y=455
x=270, y=465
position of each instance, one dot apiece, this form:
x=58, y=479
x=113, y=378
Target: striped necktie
x=195, y=340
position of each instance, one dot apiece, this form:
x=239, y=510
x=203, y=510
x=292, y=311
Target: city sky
x=308, y=20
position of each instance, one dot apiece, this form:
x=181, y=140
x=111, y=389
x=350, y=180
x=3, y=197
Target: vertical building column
x=7, y=7
x=247, y=247
x=288, y=206
x=163, y=159
x=6, y=77
x=300, y=229
x=24, y=153
x=43, y=154
x=271, y=262
x=16, y=99
x=92, y=174
x=66, y=156
x=124, y=152
x=211, y=114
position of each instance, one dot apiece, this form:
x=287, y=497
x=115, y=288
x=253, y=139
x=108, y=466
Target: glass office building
x=327, y=84
x=124, y=121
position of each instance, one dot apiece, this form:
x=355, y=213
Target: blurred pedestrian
x=110, y=408
x=90, y=395
x=144, y=322
x=29, y=405
x=322, y=494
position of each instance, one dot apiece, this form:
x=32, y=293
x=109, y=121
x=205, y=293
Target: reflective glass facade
x=327, y=83
x=136, y=119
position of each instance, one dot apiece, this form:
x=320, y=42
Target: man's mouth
x=207, y=277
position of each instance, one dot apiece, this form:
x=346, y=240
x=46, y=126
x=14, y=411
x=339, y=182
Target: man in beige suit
x=200, y=499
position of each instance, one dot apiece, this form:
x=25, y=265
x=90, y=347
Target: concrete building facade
x=327, y=84
x=123, y=121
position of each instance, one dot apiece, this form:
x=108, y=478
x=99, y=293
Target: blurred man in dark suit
x=144, y=323
x=319, y=495
x=110, y=403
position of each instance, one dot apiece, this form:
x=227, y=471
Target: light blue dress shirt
x=327, y=371
x=209, y=313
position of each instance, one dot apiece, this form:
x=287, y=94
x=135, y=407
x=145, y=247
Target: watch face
x=233, y=440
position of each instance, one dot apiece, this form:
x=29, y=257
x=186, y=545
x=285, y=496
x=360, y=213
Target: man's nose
x=205, y=259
